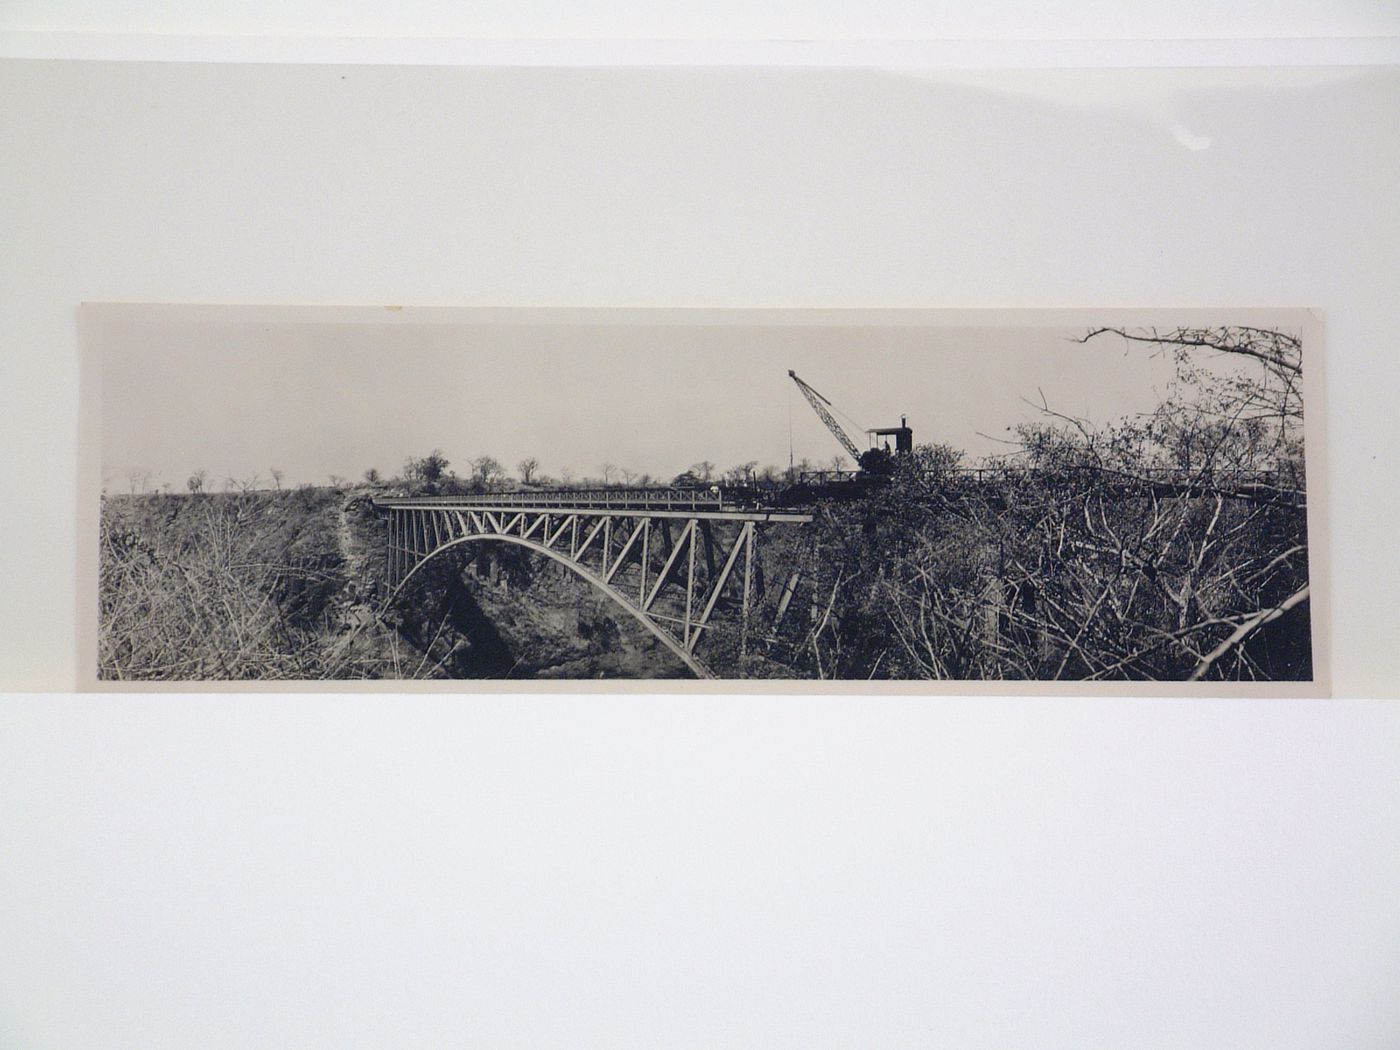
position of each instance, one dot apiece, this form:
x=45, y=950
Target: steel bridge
x=679, y=561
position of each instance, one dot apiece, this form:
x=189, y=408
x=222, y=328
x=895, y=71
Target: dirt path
x=353, y=550
x=358, y=558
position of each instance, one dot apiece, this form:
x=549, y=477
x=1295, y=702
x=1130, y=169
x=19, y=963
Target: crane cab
x=902, y=434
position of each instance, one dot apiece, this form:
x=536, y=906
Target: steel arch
x=696, y=666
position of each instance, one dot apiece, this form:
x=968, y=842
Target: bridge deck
x=648, y=503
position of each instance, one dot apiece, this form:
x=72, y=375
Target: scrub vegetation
x=1171, y=546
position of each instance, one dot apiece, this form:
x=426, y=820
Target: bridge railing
x=1182, y=476
x=593, y=499
x=741, y=498
x=827, y=477
x=1014, y=472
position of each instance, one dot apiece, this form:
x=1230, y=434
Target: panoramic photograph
x=287, y=494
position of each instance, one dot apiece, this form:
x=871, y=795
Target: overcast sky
x=183, y=391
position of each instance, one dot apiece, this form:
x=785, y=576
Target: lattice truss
x=680, y=573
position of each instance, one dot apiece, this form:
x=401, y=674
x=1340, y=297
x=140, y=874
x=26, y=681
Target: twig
x=1245, y=629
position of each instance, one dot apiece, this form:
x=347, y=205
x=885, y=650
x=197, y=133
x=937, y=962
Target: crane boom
x=819, y=404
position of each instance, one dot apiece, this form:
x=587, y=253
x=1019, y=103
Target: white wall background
x=720, y=19
x=300, y=871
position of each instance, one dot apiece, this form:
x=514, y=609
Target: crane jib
x=819, y=404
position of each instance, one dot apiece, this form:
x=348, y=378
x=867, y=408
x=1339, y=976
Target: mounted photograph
x=958, y=501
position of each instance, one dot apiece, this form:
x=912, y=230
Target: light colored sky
x=238, y=397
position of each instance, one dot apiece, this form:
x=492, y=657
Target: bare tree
x=1279, y=353
x=741, y=474
x=430, y=470
x=607, y=470
x=487, y=471
x=1242, y=421
x=277, y=477
x=372, y=476
x=703, y=470
x=200, y=595
x=195, y=482
x=1172, y=546
x=528, y=467
x=137, y=479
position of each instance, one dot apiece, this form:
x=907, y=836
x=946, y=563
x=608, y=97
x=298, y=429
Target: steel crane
x=819, y=406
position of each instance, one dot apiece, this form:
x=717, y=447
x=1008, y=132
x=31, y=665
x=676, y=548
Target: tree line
x=433, y=473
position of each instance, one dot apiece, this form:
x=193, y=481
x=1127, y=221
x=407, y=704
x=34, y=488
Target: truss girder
x=674, y=581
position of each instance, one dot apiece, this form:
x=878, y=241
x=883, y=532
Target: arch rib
x=696, y=666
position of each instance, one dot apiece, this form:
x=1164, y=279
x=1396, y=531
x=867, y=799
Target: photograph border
x=92, y=315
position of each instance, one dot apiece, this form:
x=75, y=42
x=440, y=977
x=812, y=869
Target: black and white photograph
x=803, y=527
x=788, y=496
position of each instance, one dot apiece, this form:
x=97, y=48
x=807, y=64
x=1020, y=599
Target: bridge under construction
x=681, y=562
